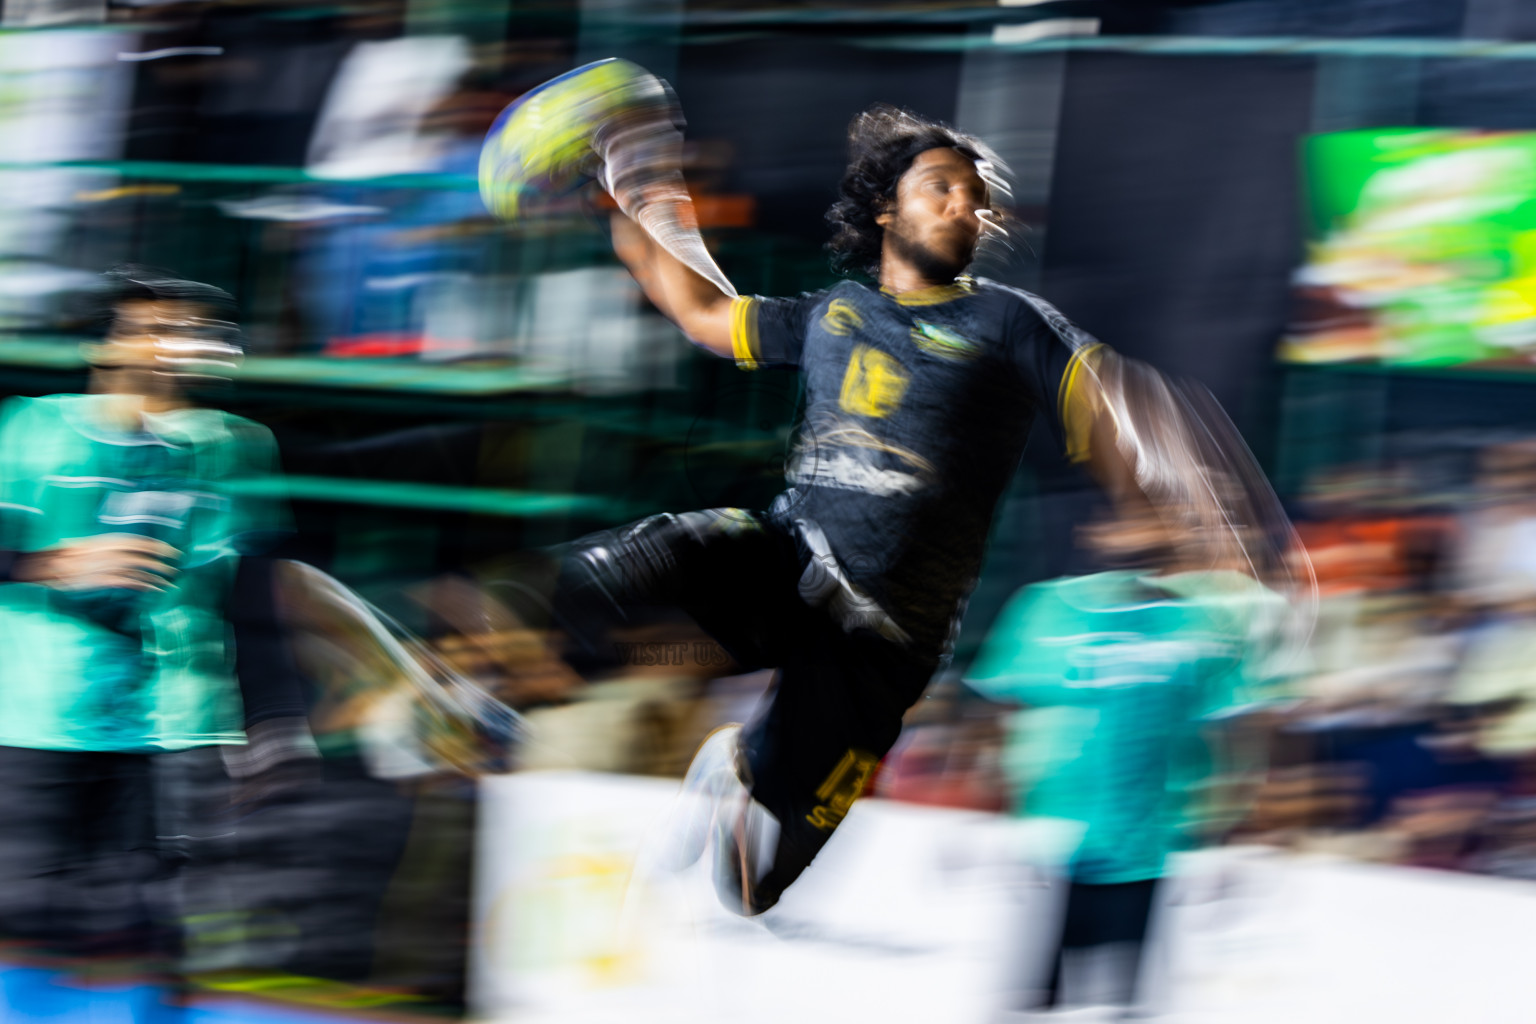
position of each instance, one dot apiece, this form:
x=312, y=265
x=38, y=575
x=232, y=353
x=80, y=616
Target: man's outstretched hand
x=109, y=560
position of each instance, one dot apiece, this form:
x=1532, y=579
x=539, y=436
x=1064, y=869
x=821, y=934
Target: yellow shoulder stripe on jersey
x=1077, y=403
x=744, y=332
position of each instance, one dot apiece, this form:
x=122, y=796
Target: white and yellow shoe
x=712, y=789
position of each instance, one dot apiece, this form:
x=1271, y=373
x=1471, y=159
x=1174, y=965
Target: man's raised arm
x=1092, y=430
x=695, y=304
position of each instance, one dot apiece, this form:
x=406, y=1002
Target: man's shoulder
x=49, y=404
x=221, y=419
x=839, y=308
x=843, y=286
x=852, y=293
x=1010, y=298
x=1032, y=310
x=206, y=426
x=32, y=412
x=1092, y=592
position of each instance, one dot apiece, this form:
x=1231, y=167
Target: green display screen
x=1421, y=249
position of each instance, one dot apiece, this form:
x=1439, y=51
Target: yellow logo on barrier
x=873, y=384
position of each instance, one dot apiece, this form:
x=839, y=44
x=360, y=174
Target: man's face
x=169, y=337
x=137, y=329
x=935, y=221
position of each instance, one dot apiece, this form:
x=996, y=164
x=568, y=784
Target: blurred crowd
x=1403, y=733
x=1411, y=738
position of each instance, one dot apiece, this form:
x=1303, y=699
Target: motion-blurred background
x=1322, y=210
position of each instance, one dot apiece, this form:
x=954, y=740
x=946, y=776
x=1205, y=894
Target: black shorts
x=78, y=853
x=837, y=702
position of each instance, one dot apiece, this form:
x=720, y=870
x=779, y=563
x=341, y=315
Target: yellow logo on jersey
x=841, y=318
x=873, y=384
x=843, y=786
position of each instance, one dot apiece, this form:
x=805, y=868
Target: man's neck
x=135, y=394
x=898, y=276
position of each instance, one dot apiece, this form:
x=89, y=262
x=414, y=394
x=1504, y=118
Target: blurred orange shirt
x=1372, y=554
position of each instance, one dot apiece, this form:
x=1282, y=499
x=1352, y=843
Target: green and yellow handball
x=541, y=146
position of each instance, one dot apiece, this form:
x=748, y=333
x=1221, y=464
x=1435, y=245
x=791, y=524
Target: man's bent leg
x=809, y=753
x=725, y=568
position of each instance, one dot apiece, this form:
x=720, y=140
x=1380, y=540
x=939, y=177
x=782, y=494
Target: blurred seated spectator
x=1362, y=533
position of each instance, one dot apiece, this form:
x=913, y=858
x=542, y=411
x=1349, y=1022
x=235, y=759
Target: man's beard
x=933, y=266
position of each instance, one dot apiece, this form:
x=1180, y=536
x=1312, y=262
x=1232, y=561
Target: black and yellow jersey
x=917, y=409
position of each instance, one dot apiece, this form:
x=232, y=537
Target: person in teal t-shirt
x=123, y=517
x=1124, y=676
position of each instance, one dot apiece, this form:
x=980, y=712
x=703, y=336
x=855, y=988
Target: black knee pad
x=605, y=576
x=635, y=564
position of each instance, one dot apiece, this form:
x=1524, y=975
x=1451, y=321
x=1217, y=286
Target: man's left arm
x=1063, y=369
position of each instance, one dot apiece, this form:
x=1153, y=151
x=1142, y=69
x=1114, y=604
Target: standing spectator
x=124, y=514
x=1123, y=673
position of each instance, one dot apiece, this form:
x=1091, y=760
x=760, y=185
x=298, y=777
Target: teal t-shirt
x=1122, y=675
x=115, y=669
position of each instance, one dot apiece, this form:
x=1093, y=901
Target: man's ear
x=885, y=212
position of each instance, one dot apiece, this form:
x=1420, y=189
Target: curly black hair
x=132, y=282
x=882, y=143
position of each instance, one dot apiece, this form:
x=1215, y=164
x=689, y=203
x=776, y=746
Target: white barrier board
x=927, y=915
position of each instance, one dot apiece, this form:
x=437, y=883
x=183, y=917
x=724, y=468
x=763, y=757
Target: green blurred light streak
x=745, y=21
x=164, y=170
x=477, y=393
x=1199, y=46
x=396, y=376
x=320, y=371
x=43, y=353
x=742, y=24
x=434, y=497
